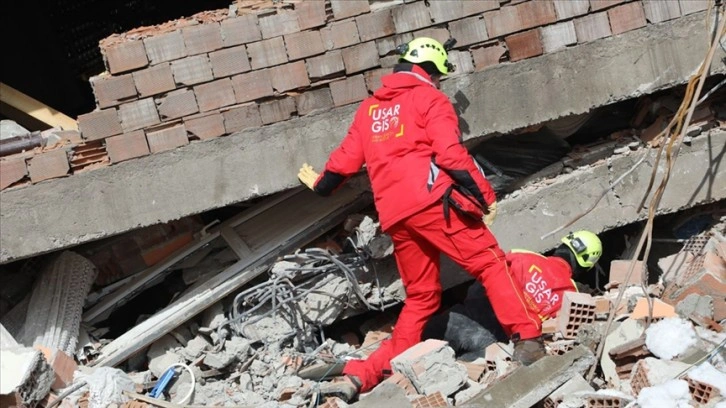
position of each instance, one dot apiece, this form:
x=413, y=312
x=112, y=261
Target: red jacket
x=405, y=133
x=543, y=280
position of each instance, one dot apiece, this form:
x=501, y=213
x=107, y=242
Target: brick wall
x=214, y=73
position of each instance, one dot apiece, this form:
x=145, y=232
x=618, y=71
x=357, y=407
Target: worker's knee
x=424, y=302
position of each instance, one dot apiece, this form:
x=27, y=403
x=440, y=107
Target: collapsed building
x=191, y=268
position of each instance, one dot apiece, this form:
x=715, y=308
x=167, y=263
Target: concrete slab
x=262, y=161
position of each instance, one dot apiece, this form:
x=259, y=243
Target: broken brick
x=402, y=382
x=577, y=309
x=592, y=27
x=215, y=94
x=619, y=270
x=289, y=76
x=311, y=14
x=524, y=45
x=242, y=117
x=125, y=56
x=277, y=110
x=304, y=44
x=154, y=80
x=417, y=364
x=240, y=30
x=252, y=85
x=434, y=400
x=340, y=34
x=702, y=392
x=138, y=114
x=192, y=70
x=229, y=61
x=63, y=367
x=282, y=23
x=267, y=53
x=325, y=66
x=349, y=90
x=360, y=57
x=112, y=90
x=205, y=126
x=487, y=56
x=176, y=104
x=99, y=124
x=48, y=165
x=165, y=47
x=349, y=8
x=12, y=171
x=660, y=309
x=469, y=31
x=375, y=25
x=202, y=38
x=127, y=146
x=314, y=100
x=167, y=138
x=410, y=17
x=626, y=17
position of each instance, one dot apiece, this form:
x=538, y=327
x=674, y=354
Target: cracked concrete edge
x=61, y=213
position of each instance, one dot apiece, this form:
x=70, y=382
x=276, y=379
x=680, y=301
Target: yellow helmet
x=586, y=246
x=424, y=49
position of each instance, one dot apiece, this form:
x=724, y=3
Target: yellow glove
x=308, y=176
x=489, y=217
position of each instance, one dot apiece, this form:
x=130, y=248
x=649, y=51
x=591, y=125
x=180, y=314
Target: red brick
x=267, y=53
x=524, y=45
x=478, y=6
x=154, y=80
x=311, y=13
x=410, y=17
x=240, y=30
x=558, y=36
x=387, y=45
x=596, y=5
x=536, y=13
x=571, y=8
x=439, y=34
x=577, y=309
x=360, y=57
x=626, y=17
x=349, y=90
x=125, y=56
x=229, y=61
x=304, y=44
x=192, y=70
x=289, y=76
x=165, y=47
x=252, y=85
x=314, y=100
x=138, y=114
x=592, y=27
x=202, y=38
x=63, y=367
x=340, y=34
x=375, y=25
x=48, y=165
x=657, y=11
x=242, y=117
x=469, y=31
x=12, y=171
x=501, y=22
x=215, y=94
x=127, y=146
x=112, y=90
x=463, y=62
x=373, y=78
x=692, y=6
x=349, y=8
x=99, y=124
x=167, y=138
x=619, y=271
x=277, y=110
x=275, y=25
x=205, y=126
x=326, y=65
x=177, y=104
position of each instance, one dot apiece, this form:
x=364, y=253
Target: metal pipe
x=20, y=143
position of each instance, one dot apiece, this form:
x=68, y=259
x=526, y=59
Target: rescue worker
x=470, y=327
x=431, y=197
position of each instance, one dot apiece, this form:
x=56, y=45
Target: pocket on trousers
x=467, y=241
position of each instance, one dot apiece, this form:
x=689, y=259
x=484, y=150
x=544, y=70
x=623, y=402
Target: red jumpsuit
x=408, y=136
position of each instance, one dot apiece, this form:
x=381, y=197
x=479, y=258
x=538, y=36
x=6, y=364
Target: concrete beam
x=64, y=212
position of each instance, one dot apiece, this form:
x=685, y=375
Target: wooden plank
x=35, y=108
x=315, y=215
x=240, y=248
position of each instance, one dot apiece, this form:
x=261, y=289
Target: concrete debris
x=25, y=376
x=56, y=304
x=431, y=367
x=104, y=386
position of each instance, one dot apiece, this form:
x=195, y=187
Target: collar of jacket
x=414, y=70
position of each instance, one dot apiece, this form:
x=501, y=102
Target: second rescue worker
x=431, y=197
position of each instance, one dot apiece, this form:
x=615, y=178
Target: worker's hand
x=308, y=176
x=491, y=214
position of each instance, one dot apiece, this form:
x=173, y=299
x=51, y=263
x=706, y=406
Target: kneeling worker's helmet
x=423, y=49
x=586, y=246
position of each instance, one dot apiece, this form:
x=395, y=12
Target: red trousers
x=419, y=241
